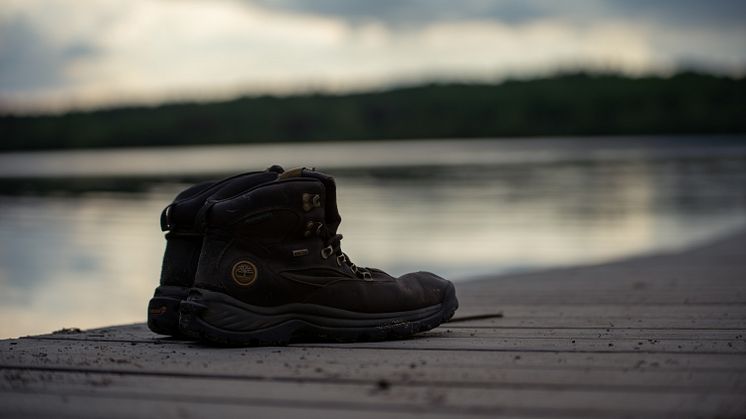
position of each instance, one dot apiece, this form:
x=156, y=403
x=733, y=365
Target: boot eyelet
x=326, y=252
x=340, y=260
x=367, y=276
x=311, y=201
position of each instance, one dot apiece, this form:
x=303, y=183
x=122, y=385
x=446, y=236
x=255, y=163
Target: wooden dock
x=656, y=336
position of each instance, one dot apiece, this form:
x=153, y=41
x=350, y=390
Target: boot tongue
x=294, y=172
x=333, y=219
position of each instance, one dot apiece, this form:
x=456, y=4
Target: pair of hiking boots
x=255, y=259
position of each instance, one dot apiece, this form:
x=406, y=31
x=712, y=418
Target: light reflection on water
x=93, y=259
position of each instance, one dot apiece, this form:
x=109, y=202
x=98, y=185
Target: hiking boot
x=184, y=243
x=271, y=271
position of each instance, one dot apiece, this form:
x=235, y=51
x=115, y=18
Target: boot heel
x=163, y=309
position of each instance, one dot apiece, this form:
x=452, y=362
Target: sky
x=57, y=55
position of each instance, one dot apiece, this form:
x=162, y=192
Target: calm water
x=87, y=252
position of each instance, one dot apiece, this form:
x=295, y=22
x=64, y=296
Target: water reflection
x=465, y=222
x=76, y=261
x=92, y=259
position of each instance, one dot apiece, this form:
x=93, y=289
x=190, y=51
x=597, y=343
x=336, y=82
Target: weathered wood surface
x=655, y=336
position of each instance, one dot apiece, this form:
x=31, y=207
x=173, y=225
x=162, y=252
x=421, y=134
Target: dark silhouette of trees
x=571, y=104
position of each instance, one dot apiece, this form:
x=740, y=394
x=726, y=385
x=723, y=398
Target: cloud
x=694, y=14
x=405, y=13
x=29, y=61
x=40, y=46
x=62, y=53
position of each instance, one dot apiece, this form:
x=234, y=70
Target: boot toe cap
x=435, y=290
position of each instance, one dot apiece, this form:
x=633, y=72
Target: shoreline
x=719, y=259
x=724, y=240
x=209, y=160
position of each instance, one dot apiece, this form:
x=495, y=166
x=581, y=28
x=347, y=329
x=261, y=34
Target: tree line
x=569, y=104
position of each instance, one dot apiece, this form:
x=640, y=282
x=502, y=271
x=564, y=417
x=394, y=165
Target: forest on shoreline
x=570, y=104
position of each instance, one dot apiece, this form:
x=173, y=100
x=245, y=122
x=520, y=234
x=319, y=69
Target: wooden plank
x=715, y=312
x=455, y=400
x=430, y=342
x=460, y=339
x=612, y=297
x=464, y=329
x=546, y=378
x=150, y=356
x=606, y=322
x=341, y=363
x=39, y=405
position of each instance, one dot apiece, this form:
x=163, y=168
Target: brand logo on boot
x=244, y=273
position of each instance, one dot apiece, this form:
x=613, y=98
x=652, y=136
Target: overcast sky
x=58, y=54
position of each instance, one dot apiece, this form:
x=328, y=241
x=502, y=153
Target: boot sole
x=220, y=319
x=163, y=309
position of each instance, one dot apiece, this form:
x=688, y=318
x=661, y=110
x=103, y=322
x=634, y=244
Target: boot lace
x=333, y=247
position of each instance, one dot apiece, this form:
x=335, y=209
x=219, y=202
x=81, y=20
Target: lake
x=80, y=243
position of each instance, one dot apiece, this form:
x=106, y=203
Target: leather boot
x=272, y=271
x=184, y=244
